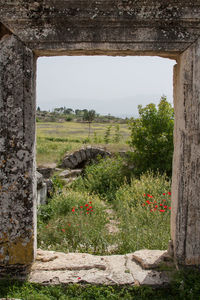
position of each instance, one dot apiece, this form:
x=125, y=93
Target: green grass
x=185, y=286
x=144, y=221
x=55, y=139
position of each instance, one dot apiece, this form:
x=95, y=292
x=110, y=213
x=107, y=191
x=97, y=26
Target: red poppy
x=165, y=206
x=143, y=204
x=169, y=207
x=156, y=206
x=81, y=206
x=161, y=204
x=144, y=195
x=90, y=202
x=79, y=278
x=162, y=210
x=155, y=209
x=86, y=204
x=169, y=193
x=63, y=230
x=73, y=210
x=87, y=209
x=87, y=212
x=164, y=194
x=164, y=200
x=90, y=206
x=148, y=201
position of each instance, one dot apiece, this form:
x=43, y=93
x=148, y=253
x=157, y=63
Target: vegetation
x=55, y=139
x=152, y=138
x=185, y=286
x=62, y=114
x=89, y=116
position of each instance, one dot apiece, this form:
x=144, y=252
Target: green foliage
x=73, y=222
x=152, y=138
x=107, y=134
x=117, y=134
x=103, y=178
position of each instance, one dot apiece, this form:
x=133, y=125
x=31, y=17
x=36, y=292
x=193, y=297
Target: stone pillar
x=17, y=154
x=185, y=220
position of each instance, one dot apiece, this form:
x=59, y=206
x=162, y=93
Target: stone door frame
x=18, y=53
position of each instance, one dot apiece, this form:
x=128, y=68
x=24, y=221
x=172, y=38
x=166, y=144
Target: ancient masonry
x=29, y=29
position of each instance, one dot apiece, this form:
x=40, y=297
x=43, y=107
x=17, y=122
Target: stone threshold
x=139, y=268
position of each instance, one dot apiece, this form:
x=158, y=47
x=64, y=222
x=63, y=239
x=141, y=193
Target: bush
x=152, y=138
x=103, y=178
x=73, y=222
x=143, y=209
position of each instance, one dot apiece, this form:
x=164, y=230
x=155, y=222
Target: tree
x=152, y=138
x=89, y=116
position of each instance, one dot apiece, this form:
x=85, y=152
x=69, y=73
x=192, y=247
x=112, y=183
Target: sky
x=109, y=85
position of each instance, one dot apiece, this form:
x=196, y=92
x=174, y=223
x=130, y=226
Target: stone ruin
x=33, y=28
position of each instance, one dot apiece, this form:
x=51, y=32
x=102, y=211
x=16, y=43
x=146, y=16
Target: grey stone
x=46, y=172
x=98, y=27
x=146, y=277
x=150, y=259
x=60, y=268
x=70, y=173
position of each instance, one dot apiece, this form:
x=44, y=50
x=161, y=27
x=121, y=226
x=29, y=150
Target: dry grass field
x=55, y=139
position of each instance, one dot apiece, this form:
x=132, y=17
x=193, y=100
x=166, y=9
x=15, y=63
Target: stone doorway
x=29, y=30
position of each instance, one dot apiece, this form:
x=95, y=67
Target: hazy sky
x=114, y=85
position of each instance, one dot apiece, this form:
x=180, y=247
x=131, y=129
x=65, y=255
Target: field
x=113, y=198
x=55, y=139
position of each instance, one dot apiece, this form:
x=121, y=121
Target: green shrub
x=152, y=138
x=143, y=209
x=103, y=178
x=73, y=222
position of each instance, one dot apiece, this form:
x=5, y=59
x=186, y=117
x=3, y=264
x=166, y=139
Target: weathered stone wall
x=185, y=221
x=17, y=151
x=52, y=27
x=110, y=27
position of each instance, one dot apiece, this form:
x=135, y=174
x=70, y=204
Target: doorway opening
x=99, y=200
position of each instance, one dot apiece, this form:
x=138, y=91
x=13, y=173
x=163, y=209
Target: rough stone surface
x=150, y=259
x=134, y=27
x=185, y=220
x=47, y=172
x=70, y=173
x=144, y=27
x=83, y=156
x=17, y=151
x=60, y=268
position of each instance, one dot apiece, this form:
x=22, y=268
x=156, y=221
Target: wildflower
x=165, y=206
x=148, y=201
x=169, y=193
x=73, y=210
x=63, y=230
x=143, y=204
x=81, y=206
x=156, y=206
x=164, y=200
x=79, y=278
x=88, y=209
x=87, y=212
x=161, y=204
x=90, y=206
x=164, y=194
x=86, y=204
x=162, y=210
x=90, y=202
x=144, y=195
x=169, y=207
